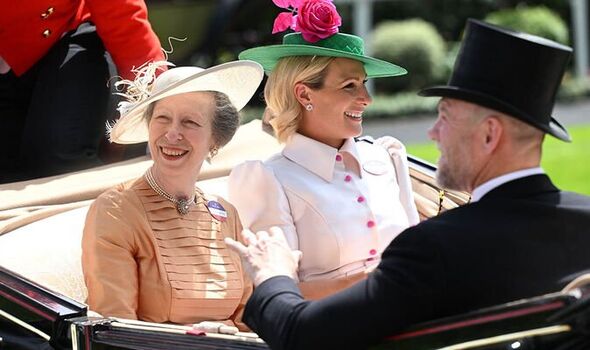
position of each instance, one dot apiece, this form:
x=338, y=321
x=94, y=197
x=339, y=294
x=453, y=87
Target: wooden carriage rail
x=100, y=333
x=511, y=337
x=38, y=299
x=498, y=323
x=482, y=319
x=29, y=302
x=430, y=199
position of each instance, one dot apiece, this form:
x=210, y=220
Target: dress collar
x=316, y=156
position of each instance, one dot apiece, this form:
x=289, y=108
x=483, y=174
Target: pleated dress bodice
x=178, y=268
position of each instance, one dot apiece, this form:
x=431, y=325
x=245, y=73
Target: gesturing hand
x=266, y=255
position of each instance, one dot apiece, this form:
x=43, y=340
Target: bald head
x=518, y=139
x=522, y=133
x=478, y=143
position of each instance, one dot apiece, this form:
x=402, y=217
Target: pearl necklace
x=182, y=205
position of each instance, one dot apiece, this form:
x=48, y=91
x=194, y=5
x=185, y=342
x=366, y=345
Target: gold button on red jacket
x=122, y=25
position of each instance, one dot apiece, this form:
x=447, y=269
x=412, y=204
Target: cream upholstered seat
x=48, y=252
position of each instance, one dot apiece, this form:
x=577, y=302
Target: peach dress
x=142, y=260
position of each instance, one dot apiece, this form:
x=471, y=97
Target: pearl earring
x=309, y=107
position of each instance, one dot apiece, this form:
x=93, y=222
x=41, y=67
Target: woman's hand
x=266, y=255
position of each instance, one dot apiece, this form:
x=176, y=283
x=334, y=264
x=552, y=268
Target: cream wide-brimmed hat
x=238, y=80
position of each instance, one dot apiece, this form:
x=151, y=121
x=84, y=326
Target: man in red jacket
x=56, y=59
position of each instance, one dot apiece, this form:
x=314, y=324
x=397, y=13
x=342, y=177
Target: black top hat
x=511, y=72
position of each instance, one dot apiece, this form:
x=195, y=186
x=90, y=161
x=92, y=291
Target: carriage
x=42, y=291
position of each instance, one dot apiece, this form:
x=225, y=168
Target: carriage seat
x=48, y=252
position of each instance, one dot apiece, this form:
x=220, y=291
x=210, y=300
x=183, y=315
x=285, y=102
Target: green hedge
x=573, y=89
x=182, y=20
x=250, y=113
x=538, y=20
x=400, y=104
x=413, y=44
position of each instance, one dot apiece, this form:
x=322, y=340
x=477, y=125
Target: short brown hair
x=225, y=121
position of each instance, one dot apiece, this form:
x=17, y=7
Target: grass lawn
x=568, y=164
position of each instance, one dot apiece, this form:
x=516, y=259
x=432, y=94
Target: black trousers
x=52, y=118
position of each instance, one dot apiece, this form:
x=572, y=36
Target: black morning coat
x=522, y=239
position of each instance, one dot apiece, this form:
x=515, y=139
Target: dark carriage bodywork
x=46, y=312
x=552, y=321
x=57, y=322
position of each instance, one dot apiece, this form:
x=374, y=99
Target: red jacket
x=29, y=28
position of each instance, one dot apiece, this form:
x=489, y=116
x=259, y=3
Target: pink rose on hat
x=315, y=19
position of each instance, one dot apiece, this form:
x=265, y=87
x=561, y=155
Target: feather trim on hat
x=139, y=89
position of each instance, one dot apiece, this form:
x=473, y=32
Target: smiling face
x=338, y=105
x=180, y=135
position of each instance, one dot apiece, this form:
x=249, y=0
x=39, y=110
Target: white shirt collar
x=316, y=156
x=489, y=185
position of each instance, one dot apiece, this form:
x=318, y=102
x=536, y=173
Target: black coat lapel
x=522, y=188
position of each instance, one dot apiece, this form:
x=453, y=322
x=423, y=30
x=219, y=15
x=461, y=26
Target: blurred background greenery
x=421, y=35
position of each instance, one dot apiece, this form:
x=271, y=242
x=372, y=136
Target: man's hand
x=266, y=255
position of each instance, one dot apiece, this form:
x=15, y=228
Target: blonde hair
x=283, y=110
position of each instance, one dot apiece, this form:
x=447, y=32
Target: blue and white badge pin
x=217, y=210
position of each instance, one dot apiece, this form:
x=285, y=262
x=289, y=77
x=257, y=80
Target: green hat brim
x=268, y=56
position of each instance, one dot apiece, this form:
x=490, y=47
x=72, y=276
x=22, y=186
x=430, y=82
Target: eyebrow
x=342, y=80
x=183, y=114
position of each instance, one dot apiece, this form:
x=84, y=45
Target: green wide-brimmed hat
x=337, y=45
